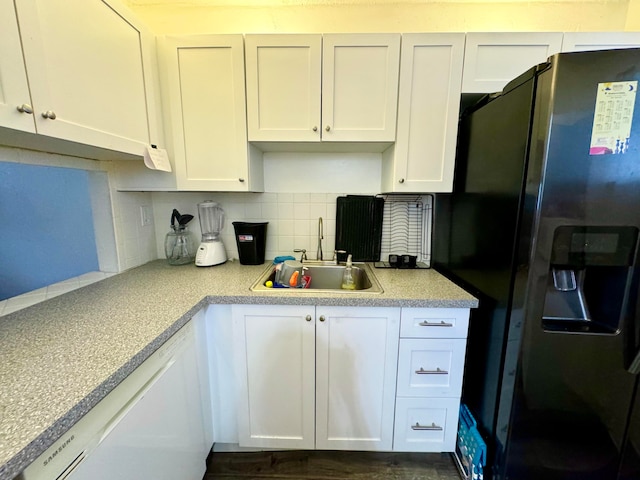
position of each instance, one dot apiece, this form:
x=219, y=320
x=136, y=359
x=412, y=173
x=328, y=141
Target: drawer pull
x=441, y=323
x=437, y=371
x=432, y=427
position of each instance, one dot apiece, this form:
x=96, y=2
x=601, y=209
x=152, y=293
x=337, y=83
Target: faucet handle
x=303, y=257
x=335, y=254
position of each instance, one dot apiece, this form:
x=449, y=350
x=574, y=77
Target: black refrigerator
x=542, y=226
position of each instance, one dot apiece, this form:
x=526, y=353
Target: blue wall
x=46, y=232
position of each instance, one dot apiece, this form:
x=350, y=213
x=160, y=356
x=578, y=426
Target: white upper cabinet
x=360, y=87
x=585, y=41
x=423, y=157
x=89, y=73
x=15, y=100
x=283, y=87
x=206, y=113
x=494, y=59
x=331, y=88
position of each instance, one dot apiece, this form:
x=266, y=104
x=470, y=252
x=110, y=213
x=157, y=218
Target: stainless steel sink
x=325, y=277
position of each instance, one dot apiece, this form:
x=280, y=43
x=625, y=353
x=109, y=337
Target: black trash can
x=251, y=238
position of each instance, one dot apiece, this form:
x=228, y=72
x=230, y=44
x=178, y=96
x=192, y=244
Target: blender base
x=210, y=254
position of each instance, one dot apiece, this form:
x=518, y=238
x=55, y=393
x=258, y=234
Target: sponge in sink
x=282, y=259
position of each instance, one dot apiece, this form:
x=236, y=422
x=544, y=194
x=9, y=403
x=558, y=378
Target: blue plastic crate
x=471, y=449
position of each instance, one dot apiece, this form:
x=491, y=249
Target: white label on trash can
x=245, y=238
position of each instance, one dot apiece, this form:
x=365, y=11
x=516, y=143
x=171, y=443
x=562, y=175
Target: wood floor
x=329, y=465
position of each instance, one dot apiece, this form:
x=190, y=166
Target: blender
x=211, y=250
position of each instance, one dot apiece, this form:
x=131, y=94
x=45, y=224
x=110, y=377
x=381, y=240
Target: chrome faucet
x=303, y=254
x=320, y=237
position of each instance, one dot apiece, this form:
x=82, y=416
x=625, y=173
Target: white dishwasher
x=149, y=426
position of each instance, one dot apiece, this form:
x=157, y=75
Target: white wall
x=268, y=16
x=633, y=16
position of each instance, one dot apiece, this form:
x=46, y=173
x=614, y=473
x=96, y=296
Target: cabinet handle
x=401, y=180
x=327, y=128
x=308, y=318
x=25, y=108
x=322, y=319
x=315, y=129
x=437, y=371
x=433, y=426
x=241, y=180
x=51, y=115
x=442, y=323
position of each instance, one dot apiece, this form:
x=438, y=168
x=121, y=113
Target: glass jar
x=179, y=246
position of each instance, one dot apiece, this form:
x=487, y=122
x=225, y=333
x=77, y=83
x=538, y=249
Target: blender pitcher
x=211, y=250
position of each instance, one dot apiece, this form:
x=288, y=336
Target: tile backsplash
x=293, y=218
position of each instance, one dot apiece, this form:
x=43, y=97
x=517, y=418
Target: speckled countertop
x=61, y=357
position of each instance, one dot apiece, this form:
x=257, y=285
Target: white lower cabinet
x=430, y=367
x=348, y=378
x=429, y=382
x=275, y=372
x=316, y=377
x=356, y=362
x=426, y=424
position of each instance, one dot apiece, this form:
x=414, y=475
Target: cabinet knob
x=25, y=108
x=401, y=180
x=241, y=180
x=308, y=318
x=327, y=128
x=315, y=129
x=322, y=319
x=51, y=115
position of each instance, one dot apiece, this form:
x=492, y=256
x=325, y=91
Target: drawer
x=434, y=322
x=426, y=424
x=430, y=368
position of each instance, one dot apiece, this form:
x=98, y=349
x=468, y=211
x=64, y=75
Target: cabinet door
x=428, y=106
x=492, y=60
x=86, y=74
x=283, y=87
x=207, y=113
x=14, y=89
x=357, y=355
x=434, y=323
x=275, y=356
x=426, y=424
x=431, y=368
x=360, y=87
x=586, y=41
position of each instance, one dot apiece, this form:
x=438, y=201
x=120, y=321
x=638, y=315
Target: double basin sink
x=325, y=277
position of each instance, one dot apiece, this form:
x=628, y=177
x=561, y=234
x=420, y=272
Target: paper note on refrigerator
x=613, y=117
